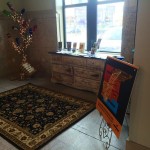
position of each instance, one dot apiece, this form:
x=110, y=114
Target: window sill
x=99, y=55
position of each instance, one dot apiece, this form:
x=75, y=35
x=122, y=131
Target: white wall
x=140, y=103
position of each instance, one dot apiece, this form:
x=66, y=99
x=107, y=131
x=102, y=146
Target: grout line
x=94, y=138
x=81, y=127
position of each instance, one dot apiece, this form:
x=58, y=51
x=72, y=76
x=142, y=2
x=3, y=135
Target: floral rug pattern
x=31, y=115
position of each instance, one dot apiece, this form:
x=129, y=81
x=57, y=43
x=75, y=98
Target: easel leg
x=105, y=133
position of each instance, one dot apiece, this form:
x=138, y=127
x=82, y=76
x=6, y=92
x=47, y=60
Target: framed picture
x=60, y=46
x=68, y=46
x=81, y=47
x=74, y=45
x=27, y=69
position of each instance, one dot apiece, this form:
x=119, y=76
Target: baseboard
x=130, y=145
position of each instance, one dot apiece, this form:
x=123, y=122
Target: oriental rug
x=30, y=116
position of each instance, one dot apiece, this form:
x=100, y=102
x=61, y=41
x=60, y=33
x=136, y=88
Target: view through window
x=108, y=23
x=76, y=26
x=109, y=26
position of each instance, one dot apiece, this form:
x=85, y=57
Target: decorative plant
x=25, y=32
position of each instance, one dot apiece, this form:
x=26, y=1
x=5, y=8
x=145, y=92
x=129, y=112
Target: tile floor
x=84, y=135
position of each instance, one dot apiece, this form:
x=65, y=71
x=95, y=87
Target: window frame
x=91, y=19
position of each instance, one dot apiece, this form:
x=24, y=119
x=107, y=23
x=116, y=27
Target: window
x=89, y=20
x=75, y=19
x=109, y=26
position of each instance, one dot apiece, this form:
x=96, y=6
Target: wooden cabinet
x=78, y=72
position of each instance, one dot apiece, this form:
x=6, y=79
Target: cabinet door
x=94, y=74
x=86, y=84
x=62, y=78
x=95, y=63
x=77, y=61
x=65, y=69
x=56, y=58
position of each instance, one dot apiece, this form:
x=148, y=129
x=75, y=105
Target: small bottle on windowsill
x=94, y=48
x=59, y=46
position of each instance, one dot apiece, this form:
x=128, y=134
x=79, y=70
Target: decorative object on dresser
x=76, y=71
x=30, y=116
x=59, y=46
x=69, y=46
x=74, y=47
x=82, y=47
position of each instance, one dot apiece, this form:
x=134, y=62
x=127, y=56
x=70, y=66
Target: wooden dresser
x=78, y=72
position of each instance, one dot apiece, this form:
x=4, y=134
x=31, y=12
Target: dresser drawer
x=74, y=61
x=62, y=69
x=62, y=78
x=56, y=58
x=78, y=72
x=96, y=63
x=86, y=84
x=94, y=74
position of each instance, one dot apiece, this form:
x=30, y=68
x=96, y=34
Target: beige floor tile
x=4, y=145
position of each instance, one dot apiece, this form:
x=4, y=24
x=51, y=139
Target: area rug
x=30, y=116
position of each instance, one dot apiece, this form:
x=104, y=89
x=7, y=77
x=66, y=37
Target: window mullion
x=64, y=23
x=91, y=23
x=76, y=5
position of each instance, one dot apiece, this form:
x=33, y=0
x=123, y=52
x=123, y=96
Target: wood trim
x=130, y=145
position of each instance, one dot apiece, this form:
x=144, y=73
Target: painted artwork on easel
x=114, y=93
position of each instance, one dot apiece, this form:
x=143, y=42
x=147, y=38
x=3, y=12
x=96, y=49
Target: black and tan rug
x=30, y=116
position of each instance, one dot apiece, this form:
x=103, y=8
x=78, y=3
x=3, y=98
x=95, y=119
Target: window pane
x=69, y=2
x=109, y=26
x=76, y=25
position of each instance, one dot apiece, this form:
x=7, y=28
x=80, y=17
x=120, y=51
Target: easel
x=111, y=97
x=105, y=133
